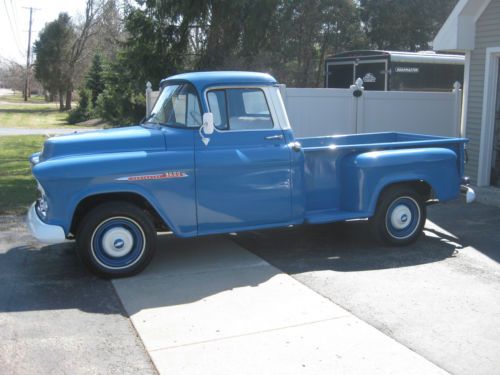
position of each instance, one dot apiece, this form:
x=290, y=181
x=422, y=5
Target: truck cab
x=218, y=155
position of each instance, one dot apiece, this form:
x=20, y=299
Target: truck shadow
x=342, y=247
x=191, y=270
x=51, y=278
x=188, y=270
x=348, y=247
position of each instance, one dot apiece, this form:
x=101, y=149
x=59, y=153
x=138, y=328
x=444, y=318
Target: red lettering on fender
x=161, y=176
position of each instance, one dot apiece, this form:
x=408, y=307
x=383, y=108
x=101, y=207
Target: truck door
x=243, y=173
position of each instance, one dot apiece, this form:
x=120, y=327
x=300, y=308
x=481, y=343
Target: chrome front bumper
x=45, y=233
x=470, y=195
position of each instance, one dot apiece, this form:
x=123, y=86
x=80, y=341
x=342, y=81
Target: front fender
x=126, y=188
x=368, y=173
x=67, y=181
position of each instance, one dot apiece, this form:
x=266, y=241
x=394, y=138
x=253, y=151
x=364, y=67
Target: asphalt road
x=440, y=296
x=55, y=318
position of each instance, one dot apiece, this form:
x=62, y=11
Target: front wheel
x=116, y=239
x=400, y=216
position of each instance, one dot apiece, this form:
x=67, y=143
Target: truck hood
x=133, y=138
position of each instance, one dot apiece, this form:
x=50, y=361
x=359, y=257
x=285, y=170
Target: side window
x=240, y=109
x=178, y=113
x=255, y=103
x=193, y=110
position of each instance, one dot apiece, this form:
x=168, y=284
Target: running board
x=330, y=216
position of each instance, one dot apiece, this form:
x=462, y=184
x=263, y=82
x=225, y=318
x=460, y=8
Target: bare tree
x=12, y=75
x=85, y=31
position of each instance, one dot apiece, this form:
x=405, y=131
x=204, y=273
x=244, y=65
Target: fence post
x=457, y=116
x=149, y=103
x=357, y=114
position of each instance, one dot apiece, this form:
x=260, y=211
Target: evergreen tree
x=95, y=79
x=52, y=50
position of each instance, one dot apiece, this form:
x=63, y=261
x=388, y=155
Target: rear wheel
x=400, y=216
x=116, y=239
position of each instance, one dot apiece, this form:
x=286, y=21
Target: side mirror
x=207, y=127
x=208, y=123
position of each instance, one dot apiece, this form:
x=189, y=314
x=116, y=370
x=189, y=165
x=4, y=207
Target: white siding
x=487, y=35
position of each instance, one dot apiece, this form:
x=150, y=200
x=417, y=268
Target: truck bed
x=332, y=171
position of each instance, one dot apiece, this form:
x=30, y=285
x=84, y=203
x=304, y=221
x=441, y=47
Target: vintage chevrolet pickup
x=218, y=155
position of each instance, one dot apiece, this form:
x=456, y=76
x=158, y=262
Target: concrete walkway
x=209, y=306
x=49, y=131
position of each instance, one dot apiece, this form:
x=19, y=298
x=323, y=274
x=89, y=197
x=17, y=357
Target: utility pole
x=27, y=83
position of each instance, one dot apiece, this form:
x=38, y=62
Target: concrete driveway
x=210, y=305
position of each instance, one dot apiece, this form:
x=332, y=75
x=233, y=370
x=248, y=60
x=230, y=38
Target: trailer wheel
x=116, y=239
x=400, y=216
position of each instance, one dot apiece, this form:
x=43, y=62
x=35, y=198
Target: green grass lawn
x=15, y=113
x=31, y=116
x=18, y=98
x=17, y=186
x=37, y=114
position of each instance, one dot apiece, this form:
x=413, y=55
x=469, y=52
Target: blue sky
x=14, y=20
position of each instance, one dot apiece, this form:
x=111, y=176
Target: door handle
x=274, y=137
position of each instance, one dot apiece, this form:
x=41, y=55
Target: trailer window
x=425, y=76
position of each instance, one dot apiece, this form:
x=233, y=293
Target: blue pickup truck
x=218, y=155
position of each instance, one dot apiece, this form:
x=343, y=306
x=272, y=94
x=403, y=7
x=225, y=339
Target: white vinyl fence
x=151, y=97
x=317, y=111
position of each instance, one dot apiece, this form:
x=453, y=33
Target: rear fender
x=369, y=173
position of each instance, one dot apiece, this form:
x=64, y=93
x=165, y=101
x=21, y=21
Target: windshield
x=178, y=106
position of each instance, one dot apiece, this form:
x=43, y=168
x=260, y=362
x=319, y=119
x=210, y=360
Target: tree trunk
x=69, y=97
x=321, y=60
x=61, y=100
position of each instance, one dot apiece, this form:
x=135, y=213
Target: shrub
x=84, y=110
x=120, y=108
